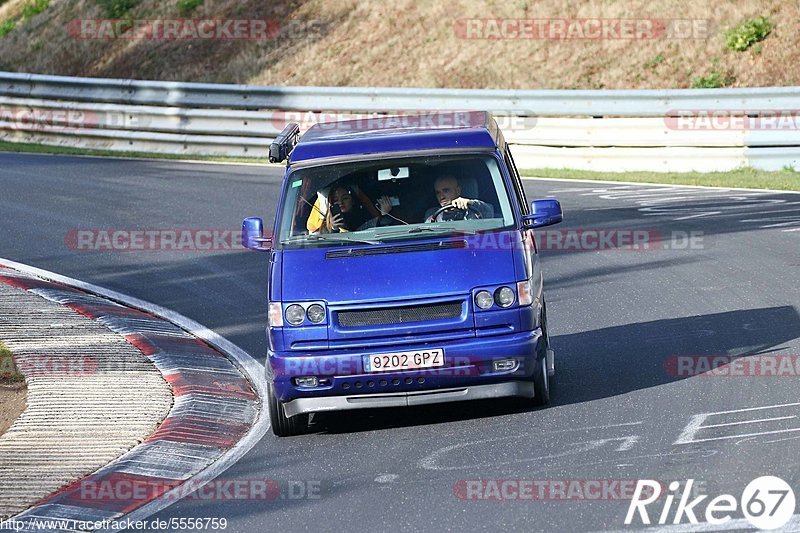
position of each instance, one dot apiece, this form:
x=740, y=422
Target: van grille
x=400, y=315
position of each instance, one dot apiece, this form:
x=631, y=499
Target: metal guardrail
x=626, y=103
x=634, y=132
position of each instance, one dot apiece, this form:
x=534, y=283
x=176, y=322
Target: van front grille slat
x=400, y=315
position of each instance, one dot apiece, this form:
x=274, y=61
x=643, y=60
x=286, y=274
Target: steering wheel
x=466, y=212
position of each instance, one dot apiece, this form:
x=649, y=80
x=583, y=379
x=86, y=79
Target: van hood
x=397, y=271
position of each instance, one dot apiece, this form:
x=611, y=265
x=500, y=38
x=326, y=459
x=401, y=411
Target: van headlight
x=315, y=313
x=504, y=296
x=483, y=299
x=295, y=314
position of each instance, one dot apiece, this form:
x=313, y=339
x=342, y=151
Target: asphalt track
x=617, y=317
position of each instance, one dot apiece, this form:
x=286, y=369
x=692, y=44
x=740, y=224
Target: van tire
x=541, y=383
x=551, y=370
x=282, y=425
x=541, y=379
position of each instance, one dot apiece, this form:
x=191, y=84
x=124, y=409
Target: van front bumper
x=468, y=374
x=522, y=389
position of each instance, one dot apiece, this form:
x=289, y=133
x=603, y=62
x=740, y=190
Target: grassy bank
x=416, y=43
x=31, y=148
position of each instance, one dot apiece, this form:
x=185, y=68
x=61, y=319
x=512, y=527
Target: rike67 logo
x=767, y=502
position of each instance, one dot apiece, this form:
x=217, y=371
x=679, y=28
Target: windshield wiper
x=423, y=229
x=326, y=238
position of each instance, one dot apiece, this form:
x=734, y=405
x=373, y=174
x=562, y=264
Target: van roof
x=431, y=131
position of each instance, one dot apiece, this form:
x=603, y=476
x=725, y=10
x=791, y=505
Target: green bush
x=746, y=34
x=6, y=27
x=185, y=7
x=31, y=9
x=712, y=80
x=117, y=9
x=709, y=81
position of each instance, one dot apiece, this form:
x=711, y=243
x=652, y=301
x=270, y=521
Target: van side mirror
x=543, y=213
x=253, y=235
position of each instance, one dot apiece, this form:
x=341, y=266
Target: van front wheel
x=541, y=375
x=282, y=425
x=541, y=383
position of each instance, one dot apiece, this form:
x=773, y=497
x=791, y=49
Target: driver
x=448, y=193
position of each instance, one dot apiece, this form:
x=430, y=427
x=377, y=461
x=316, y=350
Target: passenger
x=351, y=215
x=448, y=192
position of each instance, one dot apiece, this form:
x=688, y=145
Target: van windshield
x=393, y=199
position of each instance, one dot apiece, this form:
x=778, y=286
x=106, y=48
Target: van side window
x=520, y=191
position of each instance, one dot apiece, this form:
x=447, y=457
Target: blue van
x=403, y=268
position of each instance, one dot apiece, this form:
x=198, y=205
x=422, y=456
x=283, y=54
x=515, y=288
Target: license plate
x=387, y=362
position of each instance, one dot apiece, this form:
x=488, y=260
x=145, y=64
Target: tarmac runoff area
x=115, y=396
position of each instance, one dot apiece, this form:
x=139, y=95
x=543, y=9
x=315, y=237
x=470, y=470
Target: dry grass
x=11, y=9
x=413, y=44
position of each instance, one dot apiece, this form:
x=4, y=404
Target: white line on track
x=756, y=421
x=430, y=461
x=688, y=434
x=728, y=437
x=748, y=409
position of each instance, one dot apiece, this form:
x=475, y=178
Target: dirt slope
x=414, y=44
